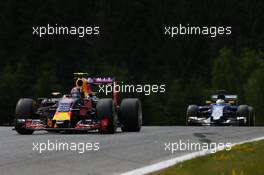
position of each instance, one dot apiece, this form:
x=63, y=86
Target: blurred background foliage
x=132, y=47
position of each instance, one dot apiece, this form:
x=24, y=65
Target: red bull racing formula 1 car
x=81, y=110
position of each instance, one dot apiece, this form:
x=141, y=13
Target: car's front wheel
x=25, y=109
x=248, y=112
x=192, y=111
x=107, y=116
x=251, y=115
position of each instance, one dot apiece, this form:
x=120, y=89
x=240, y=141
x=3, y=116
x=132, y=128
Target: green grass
x=245, y=159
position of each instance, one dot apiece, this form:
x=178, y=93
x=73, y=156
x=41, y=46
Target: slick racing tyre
x=131, y=115
x=192, y=111
x=25, y=109
x=251, y=112
x=244, y=111
x=107, y=116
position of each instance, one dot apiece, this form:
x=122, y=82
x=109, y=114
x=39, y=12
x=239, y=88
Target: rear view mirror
x=208, y=102
x=56, y=94
x=231, y=102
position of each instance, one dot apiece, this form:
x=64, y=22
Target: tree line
x=132, y=47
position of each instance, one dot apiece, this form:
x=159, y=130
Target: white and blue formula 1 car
x=222, y=109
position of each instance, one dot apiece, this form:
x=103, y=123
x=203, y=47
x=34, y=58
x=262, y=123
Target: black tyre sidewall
x=131, y=115
x=25, y=109
x=243, y=111
x=192, y=111
x=105, y=108
x=251, y=115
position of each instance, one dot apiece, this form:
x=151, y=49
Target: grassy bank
x=245, y=159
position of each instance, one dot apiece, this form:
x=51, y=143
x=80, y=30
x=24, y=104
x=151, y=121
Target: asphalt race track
x=118, y=153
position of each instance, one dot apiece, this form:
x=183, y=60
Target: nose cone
x=217, y=112
x=62, y=116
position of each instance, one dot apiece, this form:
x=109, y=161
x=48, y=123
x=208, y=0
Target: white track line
x=173, y=161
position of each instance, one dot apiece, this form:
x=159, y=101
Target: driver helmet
x=76, y=92
x=220, y=101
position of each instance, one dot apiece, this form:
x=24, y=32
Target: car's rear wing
x=87, y=83
x=93, y=80
x=100, y=80
x=227, y=98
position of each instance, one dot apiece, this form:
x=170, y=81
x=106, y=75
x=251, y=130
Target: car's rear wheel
x=192, y=111
x=107, y=116
x=25, y=109
x=131, y=115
